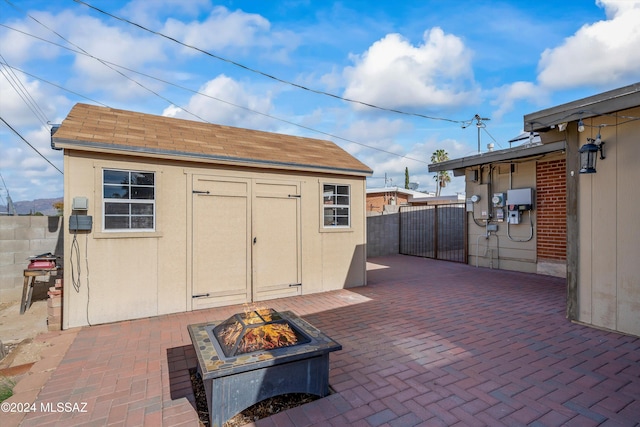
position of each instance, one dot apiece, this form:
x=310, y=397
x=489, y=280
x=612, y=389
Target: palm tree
x=442, y=178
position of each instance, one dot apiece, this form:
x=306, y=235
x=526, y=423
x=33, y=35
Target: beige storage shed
x=164, y=215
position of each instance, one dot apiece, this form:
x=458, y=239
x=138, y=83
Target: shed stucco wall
x=146, y=274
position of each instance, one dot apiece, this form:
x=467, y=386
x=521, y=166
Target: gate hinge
x=291, y=285
x=199, y=296
x=294, y=195
x=200, y=192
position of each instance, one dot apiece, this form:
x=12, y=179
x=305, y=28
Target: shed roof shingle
x=103, y=129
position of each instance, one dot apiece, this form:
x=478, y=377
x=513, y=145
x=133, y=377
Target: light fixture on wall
x=588, y=153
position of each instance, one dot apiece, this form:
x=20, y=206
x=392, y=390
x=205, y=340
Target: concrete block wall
x=383, y=235
x=20, y=238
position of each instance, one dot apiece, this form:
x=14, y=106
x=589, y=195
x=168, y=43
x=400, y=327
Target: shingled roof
x=109, y=130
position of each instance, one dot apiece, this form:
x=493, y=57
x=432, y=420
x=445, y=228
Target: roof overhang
x=95, y=147
x=498, y=156
x=597, y=105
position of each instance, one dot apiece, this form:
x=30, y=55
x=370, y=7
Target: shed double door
x=246, y=240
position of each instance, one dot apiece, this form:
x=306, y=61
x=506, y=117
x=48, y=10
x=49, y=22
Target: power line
x=27, y=142
x=107, y=65
x=263, y=73
x=208, y=96
x=22, y=92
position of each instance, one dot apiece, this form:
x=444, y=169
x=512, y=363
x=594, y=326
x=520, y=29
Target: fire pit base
x=230, y=395
x=234, y=384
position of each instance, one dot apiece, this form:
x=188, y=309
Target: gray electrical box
x=80, y=204
x=80, y=222
x=520, y=199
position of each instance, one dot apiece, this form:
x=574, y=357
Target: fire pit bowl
x=256, y=355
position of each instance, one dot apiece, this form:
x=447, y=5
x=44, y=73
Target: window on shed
x=128, y=200
x=337, y=205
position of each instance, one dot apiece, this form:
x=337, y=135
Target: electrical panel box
x=80, y=222
x=471, y=175
x=80, y=204
x=520, y=199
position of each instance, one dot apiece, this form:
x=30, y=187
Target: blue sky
x=438, y=62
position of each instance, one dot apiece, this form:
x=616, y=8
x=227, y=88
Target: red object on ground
x=37, y=264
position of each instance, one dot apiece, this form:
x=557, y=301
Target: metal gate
x=437, y=231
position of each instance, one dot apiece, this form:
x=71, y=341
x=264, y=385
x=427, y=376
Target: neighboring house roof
x=397, y=190
x=109, y=130
x=416, y=196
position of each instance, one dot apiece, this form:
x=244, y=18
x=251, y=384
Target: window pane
x=342, y=221
x=342, y=189
x=342, y=211
x=142, y=222
x=116, y=222
x=140, y=178
x=116, y=192
x=116, y=208
x=142, y=209
x=142, y=192
x=343, y=200
x=116, y=177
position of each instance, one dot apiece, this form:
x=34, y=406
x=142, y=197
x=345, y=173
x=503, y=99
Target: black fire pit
x=256, y=355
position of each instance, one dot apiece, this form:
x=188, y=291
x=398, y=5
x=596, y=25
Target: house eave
x=59, y=143
x=498, y=156
x=593, y=106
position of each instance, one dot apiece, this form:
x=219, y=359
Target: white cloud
x=603, y=53
x=517, y=91
x=229, y=90
x=145, y=12
x=224, y=29
x=394, y=73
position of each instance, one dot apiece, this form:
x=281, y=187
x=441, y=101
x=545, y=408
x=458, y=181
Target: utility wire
x=54, y=84
x=22, y=92
x=211, y=97
x=108, y=66
x=27, y=142
x=263, y=73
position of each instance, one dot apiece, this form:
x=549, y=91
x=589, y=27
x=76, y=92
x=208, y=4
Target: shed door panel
x=221, y=242
x=276, y=248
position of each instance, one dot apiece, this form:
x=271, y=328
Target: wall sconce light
x=588, y=153
x=580, y=126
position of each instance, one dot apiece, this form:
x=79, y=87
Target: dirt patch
x=17, y=332
x=260, y=410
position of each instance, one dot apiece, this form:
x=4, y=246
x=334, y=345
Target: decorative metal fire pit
x=259, y=354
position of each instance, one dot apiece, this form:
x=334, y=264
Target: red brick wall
x=551, y=210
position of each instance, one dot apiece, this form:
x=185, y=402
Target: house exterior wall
x=511, y=247
x=133, y=275
x=609, y=236
x=376, y=202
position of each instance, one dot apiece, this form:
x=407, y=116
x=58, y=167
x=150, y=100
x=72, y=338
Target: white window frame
x=335, y=200
x=129, y=201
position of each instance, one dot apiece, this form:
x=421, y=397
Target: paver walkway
x=426, y=343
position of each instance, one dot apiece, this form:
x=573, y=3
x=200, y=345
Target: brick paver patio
x=427, y=343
